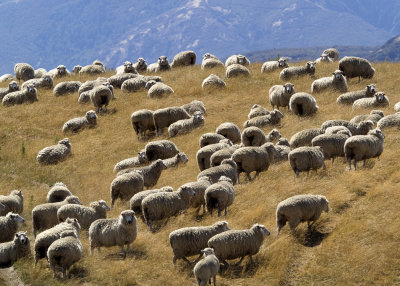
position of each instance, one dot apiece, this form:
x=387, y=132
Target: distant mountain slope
x=389, y=51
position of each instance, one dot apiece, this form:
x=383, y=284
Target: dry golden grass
x=357, y=242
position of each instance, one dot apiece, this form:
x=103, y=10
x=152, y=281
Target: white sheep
x=101, y=95
x=139, y=160
x=332, y=53
x=58, y=72
x=42, y=82
x=186, y=125
x=135, y=202
x=361, y=128
x=304, y=137
x=324, y=58
x=235, y=70
x=209, y=63
x=150, y=173
x=219, y=195
x=336, y=82
x=193, y=106
x=199, y=187
x=127, y=67
x=180, y=158
x=304, y=159
x=204, y=154
x=13, y=250
x=164, y=117
x=160, y=149
x=96, y=68
x=374, y=116
x=126, y=185
x=157, y=89
x=79, y=123
x=40, y=72
x=142, y=121
x=273, y=118
x=279, y=95
x=227, y=168
x=55, y=153
x=283, y=149
x=391, y=120
x=6, y=77
x=356, y=67
x=9, y=226
x=237, y=59
x=271, y=66
x=118, y=79
x=378, y=100
x=57, y=193
x=213, y=81
x=76, y=69
x=12, y=86
x=230, y=131
x=24, y=71
x=210, y=138
x=184, y=58
x=28, y=95
x=303, y=104
x=138, y=83
x=332, y=144
x=207, y=268
x=161, y=65
x=253, y=136
x=14, y=202
x=351, y=96
x=140, y=65
x=220, y=155
x=257, y=110
x=66, y=87
x=291, y=72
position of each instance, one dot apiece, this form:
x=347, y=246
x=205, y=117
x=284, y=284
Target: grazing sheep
x=135, y=202
x=195, y=105
x=304, y=137
x=189, y=241
x=47, y=237
x=219, y=195
x=66, y=87
x=363, y=147
x=139, y=160
x=271, y=66
x=227, y=168
x=157, y=89
x=126, y=185
x=57, y=193
x=300, y=208
x=337, y=82
x=351, y=96
x=233, y=244
x=332, y=144
x=257, y=110
x=180, y=158
x=114, y=231
x=43, y=82
x=210, y=138
x=303, y=104
x=230, y=131
x=392, y=120
x=203, y=155
x=76, y=69
x=279, y=95
x=165, y=204
x=397, y=107
x=12, y=86
x=207, y=268
x=374, y=116
x=58, y=72
x=209, y=63
x=28, y=95
x=185, y=58
x=127, y=67
x=9, y=226
x=96, y=68
x=101, y=95
x=199, y=187
x=253, y=136
x=324, y=58
x=54, y=154
x=237, y=59
x=138, y=83
x=379, y=100
x=6, y=77
x=79, y=123
x=140, y=65
x=161, y=65
x=24, y=71
x=161, y=149
x=13, y=250
x=142, y=121
x=332, y=53
x=235, y=70
x=213, y=81
x=44, y=216
x=118, y=79
x=186, y=125
x=283, y=149
x=164, y=117
x=361, y=128
x=304, y=159
x=291, y=72
x=64, y=252
x=356, y=67
x=14, y=202
x=226, y=153
x=273, y=118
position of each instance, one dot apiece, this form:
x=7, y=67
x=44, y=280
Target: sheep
x=379, y=100
x=219, y=195
x=40, y=72
x=28, y=95
x=189, y=241
x=66, y=87
x=165, y=204
x=135, y=202
x=337, y=82
x=283, y=149
x=24, y=71
x=304, y=159
x=213, y=81
x=56, y=153
x=139, y=160
x=76, y=69
x=361, y=128
x=79, y=123
x=140, y=65
x=226, y=153
x=257, y=110
x=271, y=66
x=13, y=250
x=58, y=72
x=127, y=67
x=279, y=95
x=101, y=95
x=210, y=138
x=332, y=144
x=291, y=72
x=161, y=65
x=332, y=53
x=230, y=131
x=209, y=63
x=161, y=149
x=185, y=58
x=227, y=168
x=142, y=121
x=6, y=77
x=186, y=125
x=14, y=202
x=374, y=116
x=47, y=237
x=180, y=158
x=209, y=56
x=43, y=82
x=199, y=187
x=397, y=107
x=195, y=105
x=207, y=268
x=9, y=226
x=300, y=208
x=273, y=135
x=304, y=137
x=86, y=87
x=392, y=120
x=44, y=216
x=203, y=155
x=57, y=193
x=235, y=70
x=273, y=118
x=303, y=104
x=164, y=117
x=363, y=147
x=351, y=96
x=253, y=136
x=138, y=83
x=324, y=58
x=157, y=89
x=64, y=252
x=126, y=185
x=118, y=79
x=12, y=86
x=152, y=173
x=233, y=244
x=93, y=69
x=338, y=130
x=356, y=67
x=237, y=59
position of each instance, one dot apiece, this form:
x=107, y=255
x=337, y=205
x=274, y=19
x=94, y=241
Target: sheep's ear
x=17, y=235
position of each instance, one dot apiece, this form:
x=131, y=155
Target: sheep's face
x=222, y=226
x=31, y=89
x=61, y=70
x=276, y=113
x=275, y=134
x=128, y=216
x=207, y=251
x=142, y=157
x=21, y=238
x=371, y=88
x=128, y=67
x=338, y=75
x=65, y=142
x=197, y=116
x=163, y=61
x=260, y=229
x=13, y=86
x=141, y=62
x=326, y=204
x=380, y=97
x=378, y=112
x=183, y=158
x=15, y=217
x=104, y=205
x=76, y=69
x=289, y=88
x=91, y=116
x=282, y=63
x=47, y=79
x=377, y=132
x=311, y=66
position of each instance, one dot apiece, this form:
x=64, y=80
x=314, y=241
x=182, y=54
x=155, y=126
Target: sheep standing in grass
x=126, y=185
x=253, y=136
x=356, y=67
x=230, y=131
x=193, y=106
x=210, y=138
x=204, y=154
x=55, y=153
x=304, y=159
x=233, y=244
x=87, y=86
x=237, y=59
x=127, y=67
x=180, y=158
x=257, y=110
x=300, y=208
x=28, y=95
x=235, y=70
x=361, y=128
x=303, y=104
x=363, y=147
x=207, y=268
x=57, y=193
x=185, y=58
x=24, y=71
x=337, y=82
x=351, y=96
x=14, y=202
x=118, y=79
x=12, y=86
x=279, y=95
x=213, y=81
x=135, y=202
x=392, y=120
x=332, y=144
x=332, y=53
x=152, y=173
x=66, y=87
x=101, y=96
x=374, y=116
x=79, y=123
x=139, y=160
x=220, y=195
x=273, y=118
x=283, y=149
x=304, y=137
x=186, y=125
x=199, y=187
x=161, y=149
x=9, y=226
x=43, y=82
x=379, y=100
x=227, y=168
x=157, y=89
x=138, y=83
x=271, y=66
x=96, y=68
x=164, y=117
x=292, y=72
x=140, y=65
x=220, y=155
x=142, y=121
x=13, y=250
x=161, y=65
x=58, y=72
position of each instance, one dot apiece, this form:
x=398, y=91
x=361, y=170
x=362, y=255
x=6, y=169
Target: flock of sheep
x=222, y=157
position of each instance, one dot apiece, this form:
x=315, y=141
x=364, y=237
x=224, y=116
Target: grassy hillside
x=357, y=242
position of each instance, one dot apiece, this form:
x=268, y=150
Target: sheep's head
x=159, y=163
x=74, y=222
x=149, y=84
x=198, y=117
x=255, y=106
x=338, y=75
x=76, y=69
x=187, y=192
x=15, y=217
x=311, y=66
x=229, y=161
x=91, y=116
x=325, y=203
x=207, y=56
x=380, y=97
x=128, y=67
x=103, y=205
x=48, y=79
x=141, y=61
x=21, y=238
x=31, y=89
x=274, y=134
x=283, y=142
x=65, y=142
x=276, y=113
x=182, y=157
x=377, y=132
x=377, y=112
x=72, y=200
x=208, y=251
x=282, y=62
x=17, y=193
x=163, y=61
x=142, y=156
x=61, y=70
x=222, y=225
x=259, y=228
x=225, y=179
x=13, y=86
x=127, y=216
x=241, y=59
x=289, y=88
x=98, y=63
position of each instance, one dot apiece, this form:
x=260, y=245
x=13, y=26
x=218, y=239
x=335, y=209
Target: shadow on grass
x=135, y=253
x=312, y=237
x=245, y=270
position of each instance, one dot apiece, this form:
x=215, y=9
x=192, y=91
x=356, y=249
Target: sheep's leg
x=355, y=164
x=64, y=272
x=251, y=259
x=225, y=212
x=204, y=208
x=215, y=280
x=219, y=212
x=240, y=261
x=333, y=160
x=257, y=173
x=197, y=210
x=128, y=247
x=324, y=166
x=225, y=263
x=187, y=260
x=149, y=225
x=364, y=163
x=248, y=176
x=349, y=161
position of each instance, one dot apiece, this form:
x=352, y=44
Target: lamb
x=351, y=96
x=24, y=71
x=43, y=82
x=230, y=131
x=237, y=59
x=304, y=137
x=79, y=123
x=164, y=117
x=186, y=125
x=257, y=110
x=291, y=72
x=12, y=86
x=126, y=185
x=157, y=89
x=140, y=65
x=101, y=96
x=9, y=226
x=58, y=72
x=303, y=104
x=28, y=95
x=271, y=66
x=279, y=95
x=283, y=149
x=189, y=241
x=361, y=128
x=219, y=195
x=235, y=70
x=185, y=58
x=96, y=68
x=273, y=118
x=161, y=149
x=57, y=193
x=379, y=100
x=14, y=202
x=356, y=67
x=138, y=83
x=210, y=138
x=226, y=153
x=199, y=187
x=324, y=58
x=164, y=205
x=374, y=116
x=118, y=79
x=127, y=67
x=142, y=121
x=363, y=147
x=227, y=168
x=195, y=105
x=114, y=231
x=135, y=202
x=300, y=208
x=203, y=155
x=337, y=82
x=332, y=144
x=54, y=154
x=66, y=87
x=64, y=252
x=213, y=81
x=397, y=107
x=207, y=268
x=392, y=120
x=304, y=159
x=161, y=65
x=13, y=250
x=233, y=244
x=253, y=136
x=180, y=158
x=139, y=160
x=332, y=54
x=209, y=63
x=44, y=216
